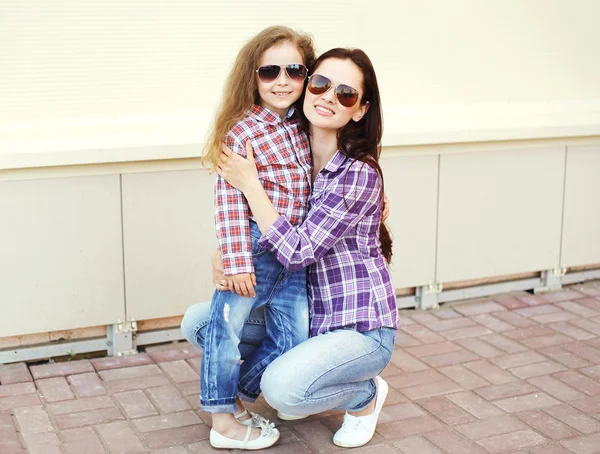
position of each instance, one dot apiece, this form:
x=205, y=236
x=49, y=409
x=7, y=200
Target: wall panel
x=411, y=185
x=168, y=234
x=60, y=254
x=500, y=212
x=581, y=229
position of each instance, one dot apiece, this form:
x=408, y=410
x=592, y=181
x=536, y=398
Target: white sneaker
x=268, y=437
x=285, y=417
x=358, y=430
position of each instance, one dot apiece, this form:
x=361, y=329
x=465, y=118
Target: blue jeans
x=283, y=296
x=330, y=371
x=196, y=318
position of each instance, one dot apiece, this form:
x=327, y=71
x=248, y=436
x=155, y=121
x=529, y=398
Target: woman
x=346, y=247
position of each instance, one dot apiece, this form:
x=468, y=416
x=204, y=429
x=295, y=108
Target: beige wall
x=106, y=214
x=115, y=74
x=81, y=251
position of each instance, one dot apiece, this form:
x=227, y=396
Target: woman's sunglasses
x=346, y=95
x=269, y=73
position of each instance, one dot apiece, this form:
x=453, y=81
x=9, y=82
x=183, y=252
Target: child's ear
x=361, y=112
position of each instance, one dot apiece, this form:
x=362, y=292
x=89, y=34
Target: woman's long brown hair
x=361, y=140
x=241, y=92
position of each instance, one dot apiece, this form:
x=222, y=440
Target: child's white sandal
x=268, y=437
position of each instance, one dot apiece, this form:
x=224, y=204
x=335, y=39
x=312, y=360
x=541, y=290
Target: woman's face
x=324, y=110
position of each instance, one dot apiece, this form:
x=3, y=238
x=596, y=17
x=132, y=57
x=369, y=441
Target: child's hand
x=242, y=284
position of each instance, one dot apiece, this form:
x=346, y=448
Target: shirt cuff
x=276, y=234
x=238, y=263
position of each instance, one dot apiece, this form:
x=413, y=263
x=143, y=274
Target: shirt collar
x=268, y=116
x=335, y=162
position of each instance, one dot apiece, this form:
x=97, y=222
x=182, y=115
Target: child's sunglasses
x=346, y=95
x=269, y=73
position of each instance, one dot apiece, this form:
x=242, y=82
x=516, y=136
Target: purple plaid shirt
x=350, y=284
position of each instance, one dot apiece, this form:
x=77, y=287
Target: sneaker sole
x=290, y=417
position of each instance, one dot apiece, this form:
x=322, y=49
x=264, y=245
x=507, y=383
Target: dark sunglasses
x=346, y=95
x=269, y=73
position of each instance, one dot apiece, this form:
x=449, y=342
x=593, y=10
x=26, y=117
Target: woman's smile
x=321, y=110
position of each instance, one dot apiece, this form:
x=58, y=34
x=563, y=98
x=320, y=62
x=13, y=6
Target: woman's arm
x=339, y=210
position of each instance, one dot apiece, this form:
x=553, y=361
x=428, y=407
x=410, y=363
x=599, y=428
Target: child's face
x=280, y=94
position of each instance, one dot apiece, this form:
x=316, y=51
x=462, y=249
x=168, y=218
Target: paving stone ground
x=515, y=373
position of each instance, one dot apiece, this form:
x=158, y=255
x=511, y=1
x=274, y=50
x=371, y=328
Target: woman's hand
x=219, y=279
x=238, y=172
x=386, y=208
x=242, y=174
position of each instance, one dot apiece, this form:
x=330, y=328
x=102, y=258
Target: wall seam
x=437, y=220
x=564, y=196
x=123, y=247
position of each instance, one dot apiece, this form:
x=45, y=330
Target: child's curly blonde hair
x=241, y=90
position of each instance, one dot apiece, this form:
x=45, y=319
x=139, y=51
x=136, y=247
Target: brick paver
x=515, y=373
x=17, y=389
x=61, y=369
x=87, y=385
x=80, y=440
x=55, y=389
x=136, y=404
x=118, y=362
x=14, y=373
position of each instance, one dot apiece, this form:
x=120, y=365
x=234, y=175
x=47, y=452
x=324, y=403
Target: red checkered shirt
x=283, y=161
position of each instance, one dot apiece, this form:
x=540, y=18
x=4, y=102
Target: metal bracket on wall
x=551, y=280
x=426, y=296
x=120, y=338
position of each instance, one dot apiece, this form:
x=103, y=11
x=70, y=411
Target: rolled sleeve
x=274, y=238
x=238, y=263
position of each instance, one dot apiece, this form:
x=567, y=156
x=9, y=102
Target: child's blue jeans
x=283, y=295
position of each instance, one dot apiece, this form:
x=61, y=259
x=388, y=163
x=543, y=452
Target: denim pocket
x=388, y=339
x=257, y=250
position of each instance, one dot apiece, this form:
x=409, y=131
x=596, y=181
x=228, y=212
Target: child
x=267, y=79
